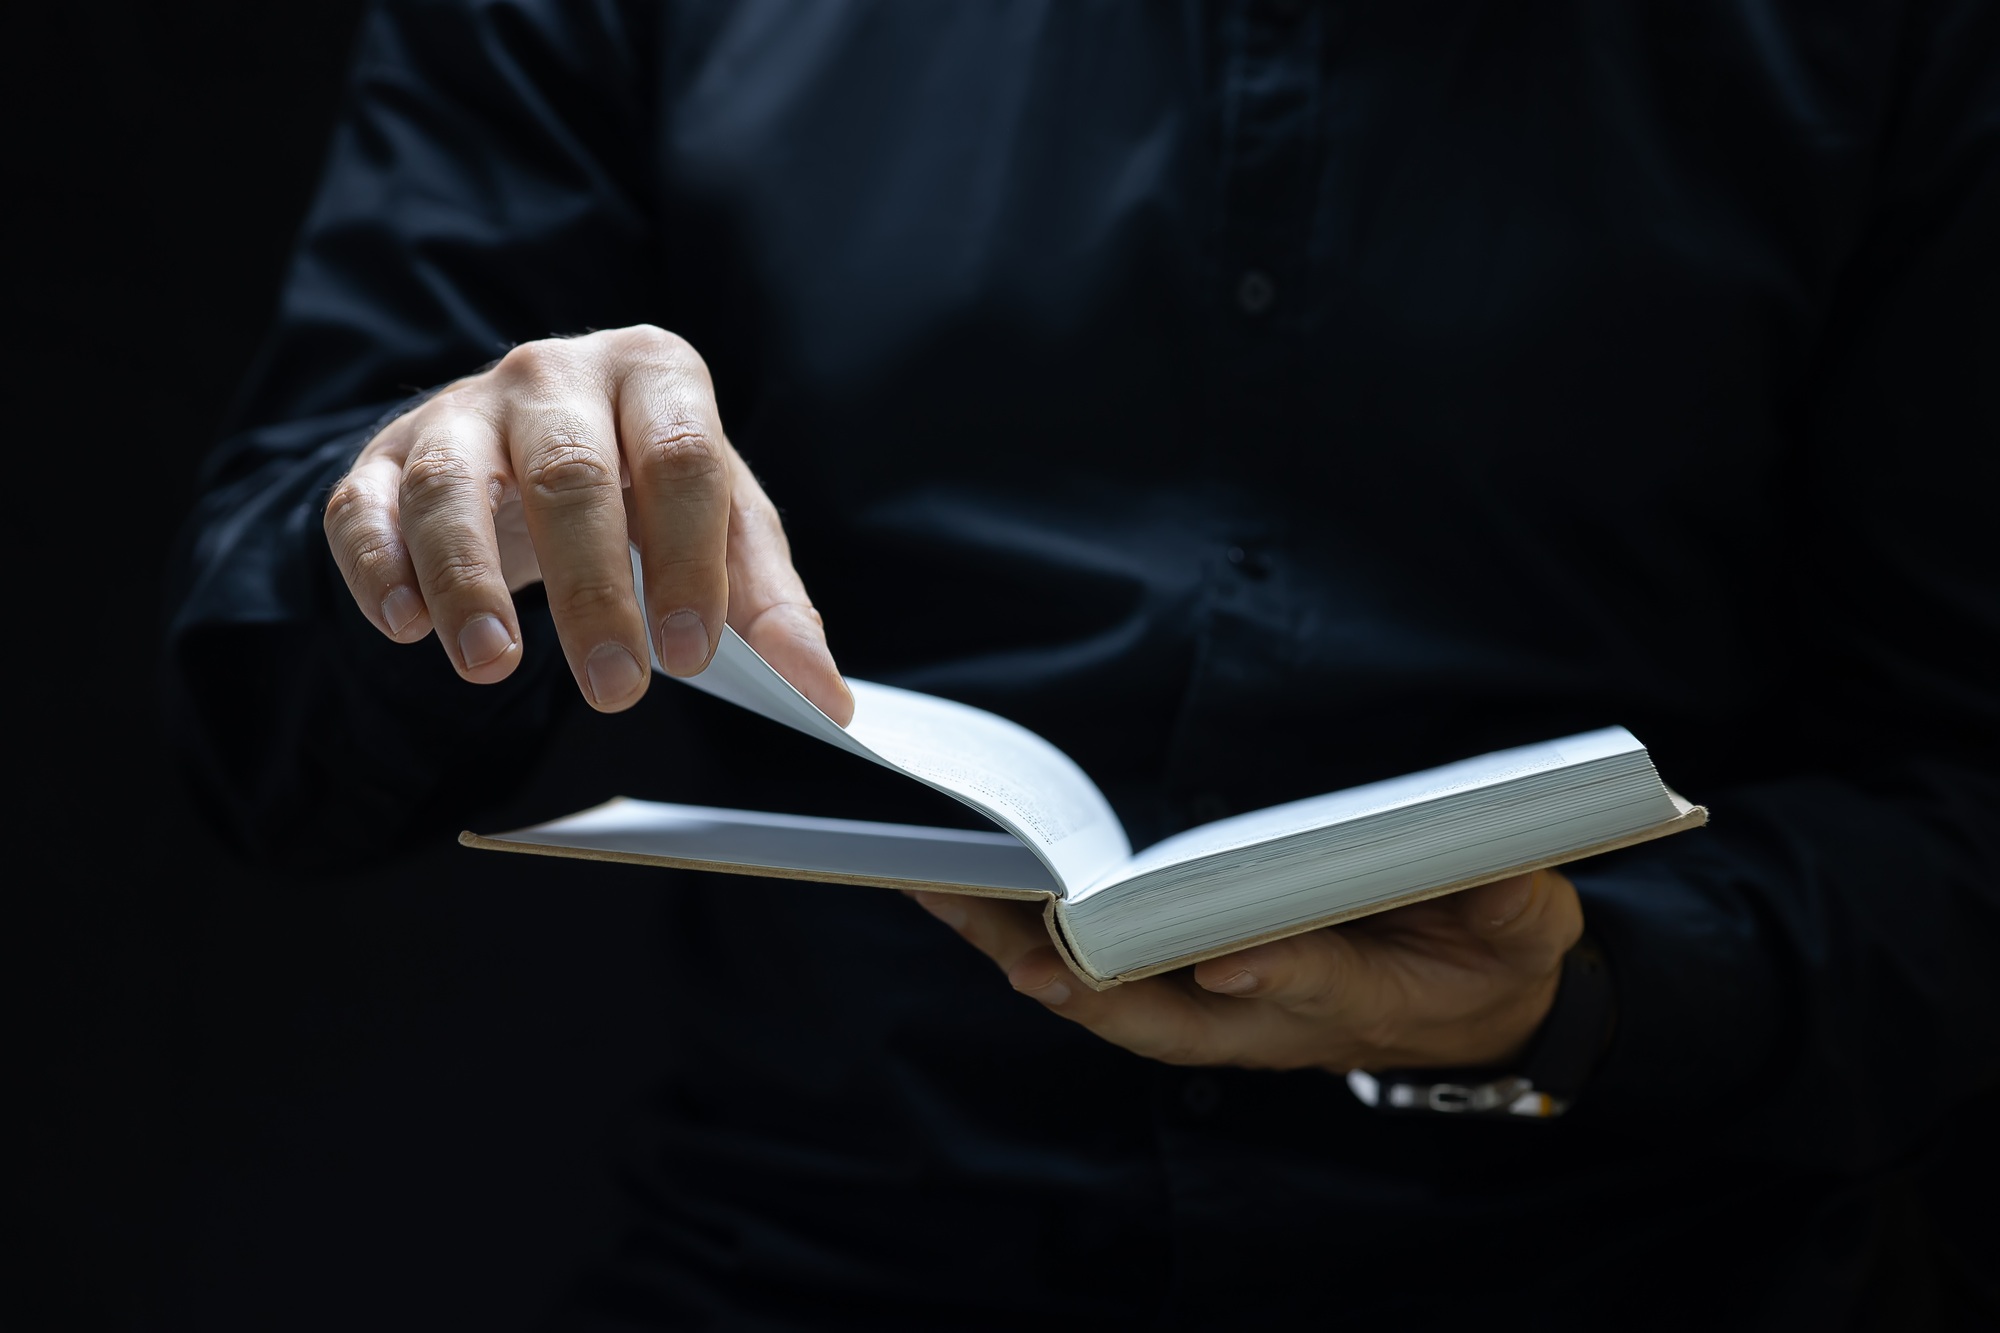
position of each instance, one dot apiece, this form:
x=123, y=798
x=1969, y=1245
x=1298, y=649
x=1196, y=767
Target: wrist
x=1546, y=1072
x=1509, y=1037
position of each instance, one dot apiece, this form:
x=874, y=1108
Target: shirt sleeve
x=1813, y=978
x=485, y=186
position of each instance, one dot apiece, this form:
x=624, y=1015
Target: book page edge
x=1691, y=816
x=479, y=841
x=1059, y=936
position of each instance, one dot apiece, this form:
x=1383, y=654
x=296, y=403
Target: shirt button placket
x=1271, y=87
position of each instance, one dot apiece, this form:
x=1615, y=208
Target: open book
x=1116, y=915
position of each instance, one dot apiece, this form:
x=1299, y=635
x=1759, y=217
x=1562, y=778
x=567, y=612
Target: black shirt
x=1255, y=399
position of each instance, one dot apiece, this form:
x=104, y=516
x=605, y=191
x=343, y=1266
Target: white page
x=798, y=844
x=999, y=768
x=1279, y=821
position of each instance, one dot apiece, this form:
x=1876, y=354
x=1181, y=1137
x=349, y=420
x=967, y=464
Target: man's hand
x=544, y=468
x=1462, y=980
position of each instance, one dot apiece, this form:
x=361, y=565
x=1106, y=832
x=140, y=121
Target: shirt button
x=1255, y=291
x=1201, y=1094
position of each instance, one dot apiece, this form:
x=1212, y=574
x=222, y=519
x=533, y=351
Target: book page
x=999, y=768
x=797, y=846
x=1314, y=812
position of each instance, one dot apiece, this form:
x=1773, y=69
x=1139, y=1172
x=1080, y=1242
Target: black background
x=383, y=1100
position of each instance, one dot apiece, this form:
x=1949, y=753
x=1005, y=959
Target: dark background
x=382, y=1100
x=389, y=1099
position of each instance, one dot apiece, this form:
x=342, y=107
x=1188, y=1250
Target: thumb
x=1528, y=918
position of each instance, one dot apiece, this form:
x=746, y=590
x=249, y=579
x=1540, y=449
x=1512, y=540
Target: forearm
x=1810, y=979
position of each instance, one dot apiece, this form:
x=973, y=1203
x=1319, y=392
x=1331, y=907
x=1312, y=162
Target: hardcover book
x=1115, y=914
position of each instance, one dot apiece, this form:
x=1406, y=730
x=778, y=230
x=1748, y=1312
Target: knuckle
x=593, y=599
x=654, y=344
x=680, y=456
x=664, y=356
x=562, y=466
x=541, y=360
x=434, y=474
x=346, y=507
x=460, y=570
x=684, y=568
x=377, y=562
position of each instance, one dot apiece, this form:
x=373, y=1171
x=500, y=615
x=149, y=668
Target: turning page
x=751, y=842
x=999, y=768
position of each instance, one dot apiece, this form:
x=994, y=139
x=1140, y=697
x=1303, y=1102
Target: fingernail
x=1051, y=992
x=943, y=908
x=1236, y=983
x=683, y=643
x=400, y=607
x=483, y=639
x=614, y=673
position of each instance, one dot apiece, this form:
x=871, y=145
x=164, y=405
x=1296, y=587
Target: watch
x=1551, y=1072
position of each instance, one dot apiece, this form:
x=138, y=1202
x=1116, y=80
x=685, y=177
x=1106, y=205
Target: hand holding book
x=1456, y=981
